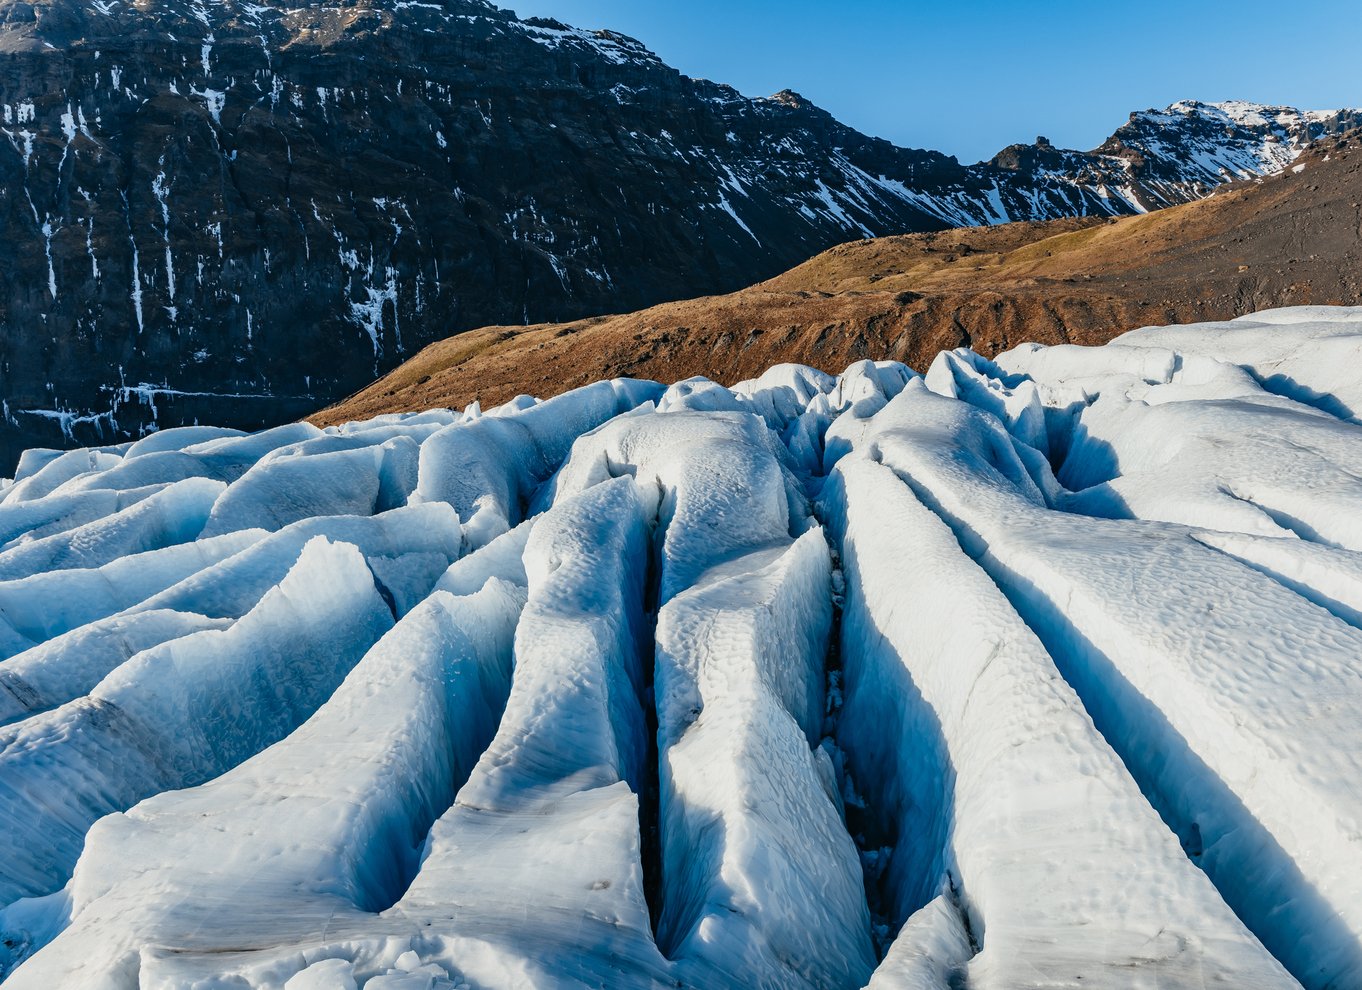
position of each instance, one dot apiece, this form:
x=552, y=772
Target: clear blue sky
x=970, y=76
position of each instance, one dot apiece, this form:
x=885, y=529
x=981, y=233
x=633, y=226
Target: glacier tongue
x=1038, y=671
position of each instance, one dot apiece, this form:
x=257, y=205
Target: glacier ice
x=69, y=666
x=488, y=468
x=50, y=603
x=350, y=478
x=1038, y=671
x=181, y=712
x=362, y=780
x=407, y=550
x=754, y=854
x=1006, y=808
x=36, y=518
x=174, y=515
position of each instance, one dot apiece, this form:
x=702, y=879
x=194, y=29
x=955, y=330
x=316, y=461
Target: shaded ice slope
x=181, y=712
x=1034, y=672
x=49, y=604
x=68, y=666
x=998, y=774
x=362, y=780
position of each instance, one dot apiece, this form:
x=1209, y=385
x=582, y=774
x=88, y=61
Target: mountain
x=238, y=211
x=1293, y=238
x=1035, y=673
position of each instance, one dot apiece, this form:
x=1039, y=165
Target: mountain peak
x=795, y=101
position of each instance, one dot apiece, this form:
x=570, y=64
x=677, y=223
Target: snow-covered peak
x=1186, y=149
x=614, y=47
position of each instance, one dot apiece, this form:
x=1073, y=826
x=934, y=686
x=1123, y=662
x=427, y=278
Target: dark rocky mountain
x=236, y=212
x=1290, y=239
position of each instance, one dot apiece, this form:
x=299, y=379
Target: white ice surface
x=70, y=665
x=23, y=522
x=279, y=490
x=1034, y=672
x=1009, y=810
x=180, y=713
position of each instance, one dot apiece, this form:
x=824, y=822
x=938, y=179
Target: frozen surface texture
x=1035, y=672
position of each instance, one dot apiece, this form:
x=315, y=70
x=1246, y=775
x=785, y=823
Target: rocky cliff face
x=236, y=212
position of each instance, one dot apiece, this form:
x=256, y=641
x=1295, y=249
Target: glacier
x=1027, y=672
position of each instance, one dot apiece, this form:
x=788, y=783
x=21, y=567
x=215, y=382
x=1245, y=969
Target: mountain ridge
x=237, y=212
x=1290, y=239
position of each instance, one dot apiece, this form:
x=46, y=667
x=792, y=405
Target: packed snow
x=1033, y=671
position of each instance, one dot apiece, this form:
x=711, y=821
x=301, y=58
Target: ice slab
x=180, y=713
x=1018, y=847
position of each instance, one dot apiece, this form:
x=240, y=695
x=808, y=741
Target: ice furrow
x=1186, y=684
x=217, y=455
x=552, y=801
x=554, y=797
x=1305, y=353
x=986, y=774
x=180, y=713
x=755, y=854
x=292, y=485
x=1330, y=578
x=41, y=472
x=407, y=549
x=220, y=866
x=37, y=518
x=1180, y=437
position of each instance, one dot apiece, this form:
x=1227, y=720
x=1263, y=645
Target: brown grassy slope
x=1289, y=240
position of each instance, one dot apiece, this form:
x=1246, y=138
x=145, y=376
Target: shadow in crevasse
x=1082, y=468
x=1286, y=386
x=1078, y=459
x=901, y=814
x=1256, y=877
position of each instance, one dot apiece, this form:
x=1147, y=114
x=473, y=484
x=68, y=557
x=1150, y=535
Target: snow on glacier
x=1038, y=671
